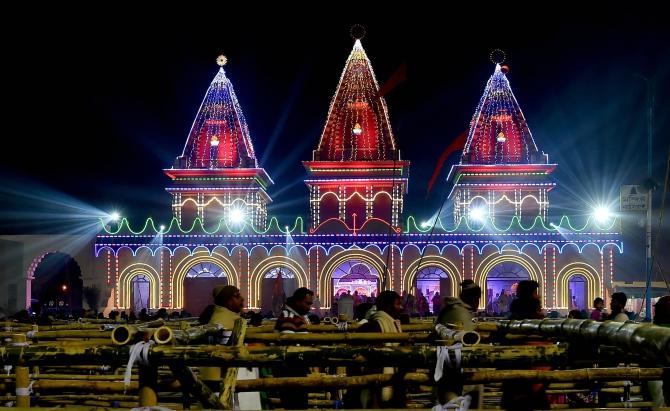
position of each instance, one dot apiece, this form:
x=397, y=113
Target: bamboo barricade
x=11, y=326
x=190, y=383
x=22, y=379
x=88, y=397
x=649, y=341
x=103, y=321
x=80, y=377
x=88, y=342
x=224, y=356
x=227, y=388
x=101, y=387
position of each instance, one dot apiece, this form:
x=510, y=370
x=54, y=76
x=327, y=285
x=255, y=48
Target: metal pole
x=650, y=131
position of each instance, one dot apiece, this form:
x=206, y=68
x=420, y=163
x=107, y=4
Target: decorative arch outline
x=124, y=284
x=182, y=267
x=326, y=275
x=264, y=266
x=593, y=286
x=409, y=277
x=483, y=269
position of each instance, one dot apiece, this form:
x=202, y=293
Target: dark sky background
x=96, y=106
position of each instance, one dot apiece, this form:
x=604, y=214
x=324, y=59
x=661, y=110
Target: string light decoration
x=218, y=166
x=219, y=136
x=499, y=133
x=357, y=152
x=357, y=126
x=500, y=159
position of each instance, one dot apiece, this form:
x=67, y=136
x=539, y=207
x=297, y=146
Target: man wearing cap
x=228, y=306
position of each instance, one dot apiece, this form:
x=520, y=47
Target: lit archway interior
x=140, y=289
x=431, y=282
x=578, y=292
x=501, y=283
x=356, y=277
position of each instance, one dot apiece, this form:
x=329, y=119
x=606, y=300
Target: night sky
x=96, y=107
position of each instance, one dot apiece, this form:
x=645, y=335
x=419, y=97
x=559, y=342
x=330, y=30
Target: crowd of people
x=420, y=305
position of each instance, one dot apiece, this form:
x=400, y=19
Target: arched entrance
x=199, y=282
x=356, y=277
x=140, y=293
x=340, y=264
x=278, y=283
x=501, y=283
x=580, y=280
x=430, y=281
x=578, y=292
x=56, y=285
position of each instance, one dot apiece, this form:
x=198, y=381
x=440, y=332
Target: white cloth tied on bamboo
x=458, y=403
x=25, y=391
x=443, y=357
x=138, y=353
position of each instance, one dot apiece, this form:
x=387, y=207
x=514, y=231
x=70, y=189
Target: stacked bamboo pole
x=649, y=341
x=474, y=377
x=210, y=355
x=125, y=334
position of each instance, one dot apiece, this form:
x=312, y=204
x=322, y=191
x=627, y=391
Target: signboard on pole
x=633, y=198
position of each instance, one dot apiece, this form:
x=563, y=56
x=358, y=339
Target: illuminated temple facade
x=357, y=237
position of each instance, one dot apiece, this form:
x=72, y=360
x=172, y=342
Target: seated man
x=294, y=316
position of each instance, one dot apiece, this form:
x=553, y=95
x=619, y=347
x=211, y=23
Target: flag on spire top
x=357, y=127
x=499, y=133
x=219, y=137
